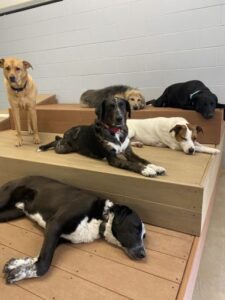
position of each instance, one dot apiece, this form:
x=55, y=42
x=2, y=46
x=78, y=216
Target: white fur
x=119, y=148
x=109, y=237
x=156, y=132
x=85, y=232
x=36, y=217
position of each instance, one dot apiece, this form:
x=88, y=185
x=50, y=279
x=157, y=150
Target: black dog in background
x=193, y=95
x=106, y=138
x=69, y=214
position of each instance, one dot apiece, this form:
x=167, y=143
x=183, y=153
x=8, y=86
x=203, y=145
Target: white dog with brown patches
x=175, y=133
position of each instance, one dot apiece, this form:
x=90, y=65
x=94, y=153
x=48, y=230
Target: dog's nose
x=135, y=107
x=12, y=78
x=119, y=119
x=191, y=150
x=141, y=253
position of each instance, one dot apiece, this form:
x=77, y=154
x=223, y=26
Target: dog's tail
x=49, y=145
x=151, y=102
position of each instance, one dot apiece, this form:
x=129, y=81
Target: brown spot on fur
x=180, y=132
x=195, y=130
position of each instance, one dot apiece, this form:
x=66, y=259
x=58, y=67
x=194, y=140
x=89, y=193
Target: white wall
x=79, y=44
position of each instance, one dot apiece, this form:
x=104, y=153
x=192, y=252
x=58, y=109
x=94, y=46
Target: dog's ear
x=27, y=64
x=100, y=110
x=176, y=129
x=120, y=213
x=128, y=109
x=215, y=97
x=199, y=129
x=2, y=63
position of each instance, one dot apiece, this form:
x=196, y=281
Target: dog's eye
x=139, y=100
x=7, y=68
x=18, y=69
x=212, y=103
x=144, y=235
x=184, y=139
x=132, y=99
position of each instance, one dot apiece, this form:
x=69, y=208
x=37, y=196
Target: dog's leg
x=49, y=145
x=16, y=117
x=33, y=116
x=11, y=214
x=131, y=156
x=30, y=267
x=205, y=149
x=29, y=123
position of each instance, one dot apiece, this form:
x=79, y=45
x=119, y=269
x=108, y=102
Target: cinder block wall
x=76, y=45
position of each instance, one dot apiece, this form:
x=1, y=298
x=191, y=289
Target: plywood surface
x=98, y=270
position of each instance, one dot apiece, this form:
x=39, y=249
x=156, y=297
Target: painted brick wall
x=76, y=45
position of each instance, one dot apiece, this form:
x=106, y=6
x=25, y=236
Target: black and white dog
x=68, y=214
x=193, y=95
x=106, y=138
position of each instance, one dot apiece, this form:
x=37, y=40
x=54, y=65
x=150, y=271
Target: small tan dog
x=93, y=98
x=22, y=94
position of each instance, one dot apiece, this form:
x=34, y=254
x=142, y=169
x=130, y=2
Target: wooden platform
x=98, y=270
x=6, y=121
x=177, y=201
x=65, y=116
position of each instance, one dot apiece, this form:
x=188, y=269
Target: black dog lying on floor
x=193, y=95
x=106, y=138
x=69, y=214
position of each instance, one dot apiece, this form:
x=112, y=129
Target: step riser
x=53, y=119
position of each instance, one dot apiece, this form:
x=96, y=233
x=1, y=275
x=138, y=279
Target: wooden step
x=60, y=117
x=6, y=120
x=177, y=201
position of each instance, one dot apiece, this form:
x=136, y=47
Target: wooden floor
x=97, y=270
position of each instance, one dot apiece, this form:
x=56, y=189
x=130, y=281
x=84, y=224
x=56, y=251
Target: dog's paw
x=18, y=269
x=19, y=142
x=148, y=171
x=215, y=151
x=158, y=169
x=36, y=139
x=137, y=144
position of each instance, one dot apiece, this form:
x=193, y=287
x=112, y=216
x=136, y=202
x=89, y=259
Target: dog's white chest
x=119, y=148
x=35, y=217
x=85, y=232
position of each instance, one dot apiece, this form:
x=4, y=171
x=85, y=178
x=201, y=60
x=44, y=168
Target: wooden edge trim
x=191, y=271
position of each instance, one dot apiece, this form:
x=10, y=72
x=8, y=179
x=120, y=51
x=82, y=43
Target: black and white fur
x=192, y=95
x=106, y=138
x=68, y=214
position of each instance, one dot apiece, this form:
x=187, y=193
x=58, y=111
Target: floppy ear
x=176, y=129
x=2, y=63
x=100, y=111
x=27, y=64
x=120, y=213
x=199, y=129
x=128, y=108
x=215, y=98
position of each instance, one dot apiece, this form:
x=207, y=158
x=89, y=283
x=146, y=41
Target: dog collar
x=19, y=89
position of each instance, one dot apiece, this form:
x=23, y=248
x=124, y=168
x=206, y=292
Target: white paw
x=158, y=169
x=18, y=269
x=215, y=151
x=148, y=171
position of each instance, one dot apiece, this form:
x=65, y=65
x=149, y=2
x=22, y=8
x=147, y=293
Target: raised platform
x=177, y=201
x=60, y=117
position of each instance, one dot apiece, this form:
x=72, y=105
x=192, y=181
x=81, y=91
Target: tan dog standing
x=22, y=94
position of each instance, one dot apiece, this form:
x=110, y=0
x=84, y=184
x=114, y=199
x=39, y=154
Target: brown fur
x=180, y=131
x=25, y=99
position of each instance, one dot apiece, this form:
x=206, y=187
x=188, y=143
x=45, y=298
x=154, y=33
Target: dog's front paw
x=18, y=269
x=215, y=151
x=36, y=139
x=137, y=144
x=19, y=142
x=148, y=171
x=158, y=169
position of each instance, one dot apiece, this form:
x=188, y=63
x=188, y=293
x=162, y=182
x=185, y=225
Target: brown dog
x=93, y=98
x=22, y=94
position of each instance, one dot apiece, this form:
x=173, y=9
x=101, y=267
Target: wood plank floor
x=97, y=270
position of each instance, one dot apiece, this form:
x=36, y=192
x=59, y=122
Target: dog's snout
x=119, y=119
x=191, y=150
x=135, y=107
x=141, y=253
x=12, y=78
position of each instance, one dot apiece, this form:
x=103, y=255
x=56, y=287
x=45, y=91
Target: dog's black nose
x=135, y=107
x=191, y=150
x=119, y=119
x=141, y=253
x=12, y=78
